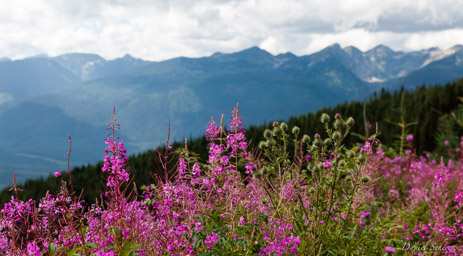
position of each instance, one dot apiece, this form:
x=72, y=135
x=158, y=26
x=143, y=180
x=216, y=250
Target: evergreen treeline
x=425, y=105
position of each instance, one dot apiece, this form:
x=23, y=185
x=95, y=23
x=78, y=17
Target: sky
x=162, y=29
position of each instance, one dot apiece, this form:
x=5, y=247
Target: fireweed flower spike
x=115, y=162
x=212, y=131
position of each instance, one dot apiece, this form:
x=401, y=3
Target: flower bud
x=350, y=154
x=325, y=118
x=277, y=131
x=337, y=136
x=283, y=126
x=262, y=145
x=296, y=130
x=342, y=163
x=365, y=179
x=339, y=124
x=361, y=158
x=264, y=170
x=310, y=165
x=317, y=142
x=327, y=142
x=350, y=122
x=337, y=116
x=267, y=133
x=343, y=173
x=306, y=139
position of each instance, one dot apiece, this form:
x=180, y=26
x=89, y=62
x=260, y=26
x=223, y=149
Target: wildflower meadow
x=294, y=194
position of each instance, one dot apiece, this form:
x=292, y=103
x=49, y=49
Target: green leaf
x=52, y=248
x=74, y=251
x=93, y=245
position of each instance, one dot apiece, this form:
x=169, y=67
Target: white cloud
x=159, y=30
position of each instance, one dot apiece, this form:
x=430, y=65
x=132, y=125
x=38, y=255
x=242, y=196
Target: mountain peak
x=335, y=45
x=255, y=50
x=252, y=54
x=351, y=50
x=380, y=51
x=286, y=55
x=457, y=47
x=217, y=54
x=334, y=49
x=127, y=57
x=381, y=48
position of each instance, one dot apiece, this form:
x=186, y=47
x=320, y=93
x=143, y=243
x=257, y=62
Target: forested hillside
x=427, y=106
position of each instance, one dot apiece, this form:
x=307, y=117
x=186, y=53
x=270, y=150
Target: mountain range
x=44, y=99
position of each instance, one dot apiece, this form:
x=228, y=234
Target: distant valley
x=44, y=99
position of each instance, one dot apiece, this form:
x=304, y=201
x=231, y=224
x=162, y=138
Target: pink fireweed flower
x=361, y=222
x=33, y=249
x=57, y=174
x=365, y=214
x=236, y=123
x=196, y=170
x=393, y=193
x=327, y=164
x=366, y=148
x=409, y=137
x=212, y=131
x=250, y=167
x=181, y=166
x=441, y=177
x=211, y=240
x=308, y=158
x=459, y=199
x=198, y=226
x=115, y=162
x=225, y=160
x=389, y=249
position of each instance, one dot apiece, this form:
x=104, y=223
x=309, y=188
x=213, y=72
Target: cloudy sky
x=162, y=29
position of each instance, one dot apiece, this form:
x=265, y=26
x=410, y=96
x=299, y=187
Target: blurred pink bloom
x=410, y=137
x=389, y=249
